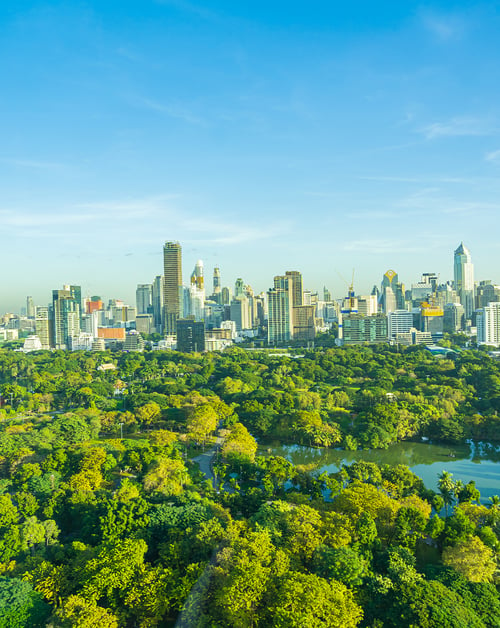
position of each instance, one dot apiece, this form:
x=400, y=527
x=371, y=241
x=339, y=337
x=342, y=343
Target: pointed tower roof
x=462, y=250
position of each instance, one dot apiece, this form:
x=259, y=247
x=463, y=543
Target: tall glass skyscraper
x=172, y=285
x=463, y=272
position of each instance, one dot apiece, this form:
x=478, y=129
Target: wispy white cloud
x=139, y=220
x=32, y=163
x=444, y=27
x=380, y=246
x=402, y=179
x=493, y=156
x=192, y=8
x=29, y=220
x=178, y=111
x=457, y=127
x=222, y=232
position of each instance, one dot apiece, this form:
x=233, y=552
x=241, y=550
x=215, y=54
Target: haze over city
x=320, y=138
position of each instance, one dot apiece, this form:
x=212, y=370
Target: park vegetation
x=106, y=520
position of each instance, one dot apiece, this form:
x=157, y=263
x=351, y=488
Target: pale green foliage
x=471, y=558
x=202, y=421
x=113, y=569
x=78, y=612
x=167, y=476
x=241, y=578
x=240, y=445
x=308, y=600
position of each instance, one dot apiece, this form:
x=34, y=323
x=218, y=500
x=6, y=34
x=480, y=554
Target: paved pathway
x=205, y=459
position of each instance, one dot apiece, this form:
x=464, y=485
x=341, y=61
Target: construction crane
x=352, y=305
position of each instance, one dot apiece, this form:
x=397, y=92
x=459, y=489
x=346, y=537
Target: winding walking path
x=205, y=459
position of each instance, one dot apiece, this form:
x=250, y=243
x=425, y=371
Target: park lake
x=478, y=461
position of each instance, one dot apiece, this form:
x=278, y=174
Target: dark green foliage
x=343, y=564
x=20, y=606
x=429, y=604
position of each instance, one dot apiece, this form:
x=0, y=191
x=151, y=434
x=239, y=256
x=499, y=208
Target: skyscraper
x=280, y=316
x=392, y=292
x=172, y=284
x=463, y=272
x=217, y=284
x=488, y=324
x=239, y=287
x=144, y=298
x=190, y=335
x=296, y=285
x=197, y=292
x=43, y=325
x=157, y=299
x=30, y=307
x=66, y=315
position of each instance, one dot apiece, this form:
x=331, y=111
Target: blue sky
x=264, y=136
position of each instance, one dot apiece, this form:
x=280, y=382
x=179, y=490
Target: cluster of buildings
x=192, y=318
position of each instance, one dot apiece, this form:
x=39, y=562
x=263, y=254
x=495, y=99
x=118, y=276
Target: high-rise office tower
x=240, y=312
x=463, y=273
x=239, y=288
x=487, y=293
x=488, y=324
x=296, y=286
x=30, y=307
x=327, y=295
x=190, y=335
x=76, y=292
x=197, y=292
x=280, y=310
x=453, y=318
x=172, y=285
x=392, y=292
x=144, y=298
x=217, y=283
x=225, y=296
x=42, y=325
x=66, y=316
x=157, y=301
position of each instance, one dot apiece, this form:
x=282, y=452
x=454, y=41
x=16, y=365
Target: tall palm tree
x=447, y=489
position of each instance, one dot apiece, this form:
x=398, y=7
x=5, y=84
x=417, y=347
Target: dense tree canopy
x=107, y=520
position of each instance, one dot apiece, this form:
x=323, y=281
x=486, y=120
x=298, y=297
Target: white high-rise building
x=463, y=272
x=197, y=292
x=399, y=322
x=367, y=304
x=488, y=325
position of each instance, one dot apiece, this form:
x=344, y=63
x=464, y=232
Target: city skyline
x=176, y=252
x=173, y=260
x=322, y=138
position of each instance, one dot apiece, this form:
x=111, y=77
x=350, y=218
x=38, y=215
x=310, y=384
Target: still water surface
x=472, y=461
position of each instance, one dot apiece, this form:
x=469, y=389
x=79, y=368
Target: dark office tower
x=76, y=293
x=144, y=298
x=296, y=286
x=190, y=335
x=66, y=317
x=327, y=295
x=225, y=296
x=172, y=284
x=217, y=285
x=157, y=298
